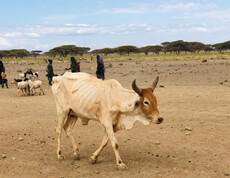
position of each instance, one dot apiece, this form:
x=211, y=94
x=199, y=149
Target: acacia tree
x=177, y=46
x=222, y=46
x=107, y=51
x=66, y=50
x=127, y=49
x=19, y=53
x=36, y=53
x=164, y=44
x=195, y=47
x=208, y=48
x=155, y=49
x=4, y=53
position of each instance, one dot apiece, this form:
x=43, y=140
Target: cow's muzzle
x=160, y=120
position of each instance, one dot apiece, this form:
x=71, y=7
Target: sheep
x=33, y=85
x=33, y=75
x=22, y=75
x=23, y=86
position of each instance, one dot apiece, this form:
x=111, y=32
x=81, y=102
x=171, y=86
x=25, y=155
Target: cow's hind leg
x=69, y=124
x=98, y=151
x=59, y=125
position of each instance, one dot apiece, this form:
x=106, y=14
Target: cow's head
x=148, y=102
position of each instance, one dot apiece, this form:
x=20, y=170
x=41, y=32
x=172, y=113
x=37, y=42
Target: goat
x=33, y=75
x=23, y=86
x=22, y=75
x=33, y=85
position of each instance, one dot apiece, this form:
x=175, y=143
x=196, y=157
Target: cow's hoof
x=61, y=158
x=77, y=157
x=122, y=167
x=93, y=161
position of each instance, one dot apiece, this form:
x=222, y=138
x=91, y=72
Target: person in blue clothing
x=100, y=68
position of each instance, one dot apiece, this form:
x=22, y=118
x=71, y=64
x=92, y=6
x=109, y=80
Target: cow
x=81, y=95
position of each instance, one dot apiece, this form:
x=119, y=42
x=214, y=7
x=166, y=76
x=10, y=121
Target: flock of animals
x=28, y=83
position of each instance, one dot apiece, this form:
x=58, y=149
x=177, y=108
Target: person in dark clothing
x=1, y=69
x=74, y=66
x=100, y=68
x=4, y=80
x=50, y=72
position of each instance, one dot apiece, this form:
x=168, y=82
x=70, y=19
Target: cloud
x=13, y=34
x=134, y=8
x=222, y=15
x=21, y=34
x=197, y=29
x=126, y=11
x=82, y=25
x=4, y=43
x=83, y=29
x=68, y=24
x=180, y=6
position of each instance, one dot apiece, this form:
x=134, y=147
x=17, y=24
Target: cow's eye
x=146, y=103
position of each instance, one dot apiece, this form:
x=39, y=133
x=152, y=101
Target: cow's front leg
x=110, y=133
x=99, y=150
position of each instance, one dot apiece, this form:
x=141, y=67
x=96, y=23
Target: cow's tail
x=56, y=83
x=56, y=79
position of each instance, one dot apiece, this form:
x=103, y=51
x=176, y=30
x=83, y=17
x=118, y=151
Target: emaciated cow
x=83, y=96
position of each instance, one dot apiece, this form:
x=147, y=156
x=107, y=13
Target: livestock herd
x=28, y=83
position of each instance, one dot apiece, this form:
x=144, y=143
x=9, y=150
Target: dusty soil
x=193, y=141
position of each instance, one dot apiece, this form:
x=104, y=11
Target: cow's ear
x=155, y=83
x=137, y=104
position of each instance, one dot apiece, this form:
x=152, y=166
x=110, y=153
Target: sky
x=45, y=24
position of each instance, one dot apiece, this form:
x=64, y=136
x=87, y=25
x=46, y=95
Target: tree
x=155, y=49
x=208, y=48
x=127, y=49
x=177, y=46
x=19, y=53
x=36, y=53
x=194, y=47
x=222, y=46
x=107, y=51
x=66, y=50
x=4, y=54
x=145, y=49
x=82, y=50
x=164, y=44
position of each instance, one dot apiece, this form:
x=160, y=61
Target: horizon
x=43, y=25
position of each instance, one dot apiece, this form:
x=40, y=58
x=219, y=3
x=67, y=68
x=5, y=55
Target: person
x=1, y=69
x=50, y=72
x=4, y=80
x=100, y=68
x=74, y=66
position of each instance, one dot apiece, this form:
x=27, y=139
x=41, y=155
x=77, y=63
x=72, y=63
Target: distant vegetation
x=178, y=47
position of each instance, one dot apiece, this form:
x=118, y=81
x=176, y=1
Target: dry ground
x=193, y=141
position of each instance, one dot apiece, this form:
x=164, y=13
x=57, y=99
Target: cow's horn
x=155, y=83
x=136, y=88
